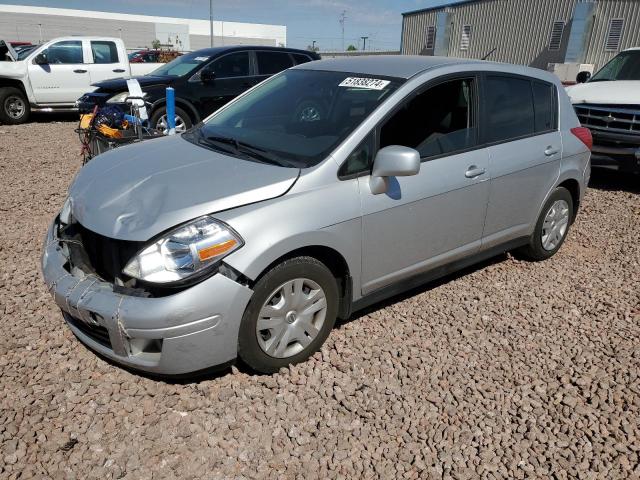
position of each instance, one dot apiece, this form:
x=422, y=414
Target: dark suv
x=204, y=81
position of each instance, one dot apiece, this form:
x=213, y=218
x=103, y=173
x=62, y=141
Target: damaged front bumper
x=191, y=330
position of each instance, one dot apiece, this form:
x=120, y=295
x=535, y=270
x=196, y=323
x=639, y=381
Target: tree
x=312, y=48
x=351, y=48
x=156, y=44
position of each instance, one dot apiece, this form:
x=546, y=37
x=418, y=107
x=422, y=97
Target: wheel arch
x=334, y=261
x=573, y=186
x=184, y=104
x=11, y=82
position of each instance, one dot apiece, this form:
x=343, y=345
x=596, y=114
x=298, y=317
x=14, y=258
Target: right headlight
x=119, y=97
x=185, y=251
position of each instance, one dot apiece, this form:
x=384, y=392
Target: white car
x=609, y=105
x=54, y=75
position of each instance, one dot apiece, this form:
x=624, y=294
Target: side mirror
x=583, y=77
x=207, y=76
x=41, y=59
x=393, y=161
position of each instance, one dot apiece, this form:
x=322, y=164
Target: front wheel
x=290, y=315
x=552, y=227
x=14, y=107
x=159, y=120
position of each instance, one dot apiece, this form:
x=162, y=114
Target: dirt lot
x=509, y=370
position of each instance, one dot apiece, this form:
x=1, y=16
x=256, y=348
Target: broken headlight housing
x=119, y=97
x=185, y=251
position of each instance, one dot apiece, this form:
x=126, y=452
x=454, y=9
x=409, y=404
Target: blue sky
x=306, y=20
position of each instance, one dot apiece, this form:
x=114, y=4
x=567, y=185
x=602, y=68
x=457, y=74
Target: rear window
x=509, y=108
x=104, y=52
x=270, y=63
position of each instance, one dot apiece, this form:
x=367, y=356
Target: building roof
x=400, y=66
x=440, y=7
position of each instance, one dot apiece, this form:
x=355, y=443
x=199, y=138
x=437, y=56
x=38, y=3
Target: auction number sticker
x=201, y=59
x=368, y=83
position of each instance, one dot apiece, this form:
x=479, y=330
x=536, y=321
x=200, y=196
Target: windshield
x=297, y=117
x=625, y=66
x=181, y=66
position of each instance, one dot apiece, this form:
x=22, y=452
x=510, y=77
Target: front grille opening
x=107, y=256
x=97, y=333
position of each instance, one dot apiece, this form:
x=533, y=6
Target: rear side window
x=104, y=52
x=300, y=58
x=232, y=65
x=509, y=108
x=270, y=63
x=545, y=110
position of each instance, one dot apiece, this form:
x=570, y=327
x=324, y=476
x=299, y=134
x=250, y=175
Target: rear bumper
x=194, y=329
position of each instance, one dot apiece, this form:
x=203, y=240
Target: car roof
x=403, y=66
x=400, y=66
x=217, y=50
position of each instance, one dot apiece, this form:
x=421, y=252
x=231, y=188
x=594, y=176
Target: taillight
x=584, y=135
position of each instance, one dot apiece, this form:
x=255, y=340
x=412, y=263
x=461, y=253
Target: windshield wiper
x=249, y=150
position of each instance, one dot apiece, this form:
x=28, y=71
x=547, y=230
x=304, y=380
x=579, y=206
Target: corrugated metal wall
x=604, y=12
x=520, y=30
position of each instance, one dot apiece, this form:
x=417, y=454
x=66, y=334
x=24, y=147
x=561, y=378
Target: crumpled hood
x=139, y=191
x=120, y=84
x=621, y=92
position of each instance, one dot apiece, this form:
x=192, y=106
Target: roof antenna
x=489, y=54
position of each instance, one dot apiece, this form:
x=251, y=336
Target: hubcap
x=291, y=318
x=163, y=127
x=14, y=106
x=555, y=225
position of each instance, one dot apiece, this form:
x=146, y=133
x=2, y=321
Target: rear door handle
x=118, y=70
x=474, y=172
x=79, y=70
x=551, y=151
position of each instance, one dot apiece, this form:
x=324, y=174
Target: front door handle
x=474, y=172
x=79, y=70
x=118, y=70
x=551, y=151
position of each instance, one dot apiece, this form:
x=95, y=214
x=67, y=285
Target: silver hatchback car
x=322, y=190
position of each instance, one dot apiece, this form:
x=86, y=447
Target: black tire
x=535, y=251
x=162, y=111
x=249, y=350
x=10, y=99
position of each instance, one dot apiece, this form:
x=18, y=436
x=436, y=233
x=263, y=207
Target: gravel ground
x=508, y=370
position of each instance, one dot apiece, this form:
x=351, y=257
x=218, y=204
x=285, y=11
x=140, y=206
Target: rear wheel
x=290, y=315
x=14, y=106
x=552, y=227
x=159, y=120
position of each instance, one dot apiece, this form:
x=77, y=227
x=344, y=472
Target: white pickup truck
x=608, y=103
x=54, y=75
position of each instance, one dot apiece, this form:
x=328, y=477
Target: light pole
x=211, y=20
x=313, y=46
x=343, y=17
x=364, y=43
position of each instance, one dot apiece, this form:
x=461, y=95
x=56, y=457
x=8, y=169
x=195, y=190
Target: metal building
x=538, y=33
x=39, y=24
